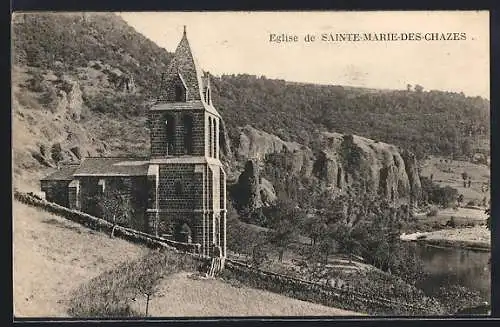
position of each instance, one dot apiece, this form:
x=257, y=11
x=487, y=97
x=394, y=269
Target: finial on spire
x=184, y=30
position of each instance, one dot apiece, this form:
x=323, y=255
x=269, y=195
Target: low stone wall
x=346, y=299
x=105, y=226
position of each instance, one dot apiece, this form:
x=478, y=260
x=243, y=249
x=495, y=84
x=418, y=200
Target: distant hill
x=425, y=122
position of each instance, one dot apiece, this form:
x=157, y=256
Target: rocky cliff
x=339, y=162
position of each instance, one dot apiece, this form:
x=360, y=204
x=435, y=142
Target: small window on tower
x=170, y=126
x=180, y=94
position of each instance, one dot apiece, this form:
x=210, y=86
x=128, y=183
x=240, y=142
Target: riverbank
x=477, y=238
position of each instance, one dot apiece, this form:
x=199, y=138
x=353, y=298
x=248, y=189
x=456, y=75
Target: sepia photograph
x=250, y=164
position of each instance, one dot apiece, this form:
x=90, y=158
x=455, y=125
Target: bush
x=451, y=223
x=432, y=212
x=472, y=203
x=36, y=80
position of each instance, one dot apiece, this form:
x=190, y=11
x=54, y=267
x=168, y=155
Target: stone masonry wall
x=180, y=199
x=56, y=191
x=158, y=133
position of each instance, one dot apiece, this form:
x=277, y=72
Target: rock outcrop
x=340, y=162
x=70, y=101
x=350, y=160
x=252, y=191
x=255, y=144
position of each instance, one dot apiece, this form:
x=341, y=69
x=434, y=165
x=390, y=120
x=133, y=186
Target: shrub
x=56, y=152
x=432, y=212
x=471, y=203
x=35, y=82
x=451, y=223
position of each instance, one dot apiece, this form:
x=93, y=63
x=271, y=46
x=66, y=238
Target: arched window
x=180, y=93
x=210, y=136
x=170, y=126
x=185, y=233
x=188, y=133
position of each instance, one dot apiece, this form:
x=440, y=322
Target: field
x=53, y=256
x=446, y=172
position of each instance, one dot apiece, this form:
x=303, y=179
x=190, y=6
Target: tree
x=419, y=88
x=285, y=220
x=56, y=153
x=115, y=206
x=315, y=227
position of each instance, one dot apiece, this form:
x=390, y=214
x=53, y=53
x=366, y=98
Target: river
x=459, y=266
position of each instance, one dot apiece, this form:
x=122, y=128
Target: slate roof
x=113, y=166
x=186, y=63
x=65, y=173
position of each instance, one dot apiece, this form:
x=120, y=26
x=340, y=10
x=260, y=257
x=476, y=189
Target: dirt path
x=182, y=295
x=53, y=256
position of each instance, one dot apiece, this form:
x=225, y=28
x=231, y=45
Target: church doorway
x=183, y=233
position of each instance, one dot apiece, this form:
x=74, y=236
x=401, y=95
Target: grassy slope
x=180, y=295
x=53, y=256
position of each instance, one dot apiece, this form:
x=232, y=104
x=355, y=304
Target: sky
x=239, y=42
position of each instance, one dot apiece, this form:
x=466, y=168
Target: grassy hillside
x=60, y=266
x=70, y=40
x=185, y=295
x=53, y=256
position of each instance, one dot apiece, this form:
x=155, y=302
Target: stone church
x=179, y=191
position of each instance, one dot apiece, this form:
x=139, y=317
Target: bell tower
x=186, y=179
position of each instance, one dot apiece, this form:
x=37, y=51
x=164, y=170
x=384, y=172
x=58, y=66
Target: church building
x=179, y=191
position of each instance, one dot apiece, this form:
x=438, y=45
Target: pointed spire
x=185, y=65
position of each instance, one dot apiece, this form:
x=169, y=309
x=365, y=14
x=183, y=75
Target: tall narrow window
x=188, y=134
x=210, y=136
x=208, y=96
x=215, y=138
x=339, y=178
x=170, y=126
